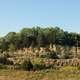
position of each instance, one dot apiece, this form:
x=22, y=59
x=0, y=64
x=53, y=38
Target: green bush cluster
x=52, y=55
x=39, y=66
x=27, y=65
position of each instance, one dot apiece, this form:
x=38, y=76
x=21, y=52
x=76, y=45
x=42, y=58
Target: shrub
x=3, y=66
x=12, y=47
x=3, y=60
x=68, y=56
x=52, y=55
x=39, y=66
x=8, y=62
x=27, y=65
x=45, y=55
x=17, y=66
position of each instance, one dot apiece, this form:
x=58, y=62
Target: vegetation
x=67, y=73
x=40, y=54
x=38, y=37
x=27, y=65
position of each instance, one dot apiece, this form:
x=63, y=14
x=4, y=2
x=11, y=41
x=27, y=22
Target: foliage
x=12, y=47
x=52, y=55
x=3, y=66
x=68, y=56
x=39, y=66
x=38, y=37
x=27, y=65
x=3, y=60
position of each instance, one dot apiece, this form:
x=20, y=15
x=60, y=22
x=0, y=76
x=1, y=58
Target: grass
x=65, y=73
x=20, y=75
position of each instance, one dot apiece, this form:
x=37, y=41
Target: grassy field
x=64, y=73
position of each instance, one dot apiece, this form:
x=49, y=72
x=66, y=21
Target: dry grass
x=19, y=75
x=49, y=74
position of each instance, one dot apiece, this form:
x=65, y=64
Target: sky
x=17, y=14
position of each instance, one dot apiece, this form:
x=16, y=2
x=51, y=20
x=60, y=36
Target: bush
x=3, y=66
x=67, y=56
x=17, y=66
x=8, y=62
x=12, y=47
x=52, y=55
x=3, y=60
x=27, y=65
x=42, y=66
x=39, y=66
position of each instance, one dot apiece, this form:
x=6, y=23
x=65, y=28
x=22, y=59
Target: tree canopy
x=38, y=37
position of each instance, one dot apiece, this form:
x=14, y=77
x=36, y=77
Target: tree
x=25, y=33
x=12, y=47
x=41, y=40
x=10, y=37
x=3, y=44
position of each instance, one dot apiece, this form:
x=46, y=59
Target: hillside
x=47, y=53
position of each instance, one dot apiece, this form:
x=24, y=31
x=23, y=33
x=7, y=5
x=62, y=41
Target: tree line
x=38, y=37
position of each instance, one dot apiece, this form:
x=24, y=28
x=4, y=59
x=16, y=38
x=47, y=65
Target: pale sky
x=17, y=14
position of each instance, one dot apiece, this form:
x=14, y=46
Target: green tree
x=10, y=37
x=12, y=47
x=3, y=44
x=41, y=40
